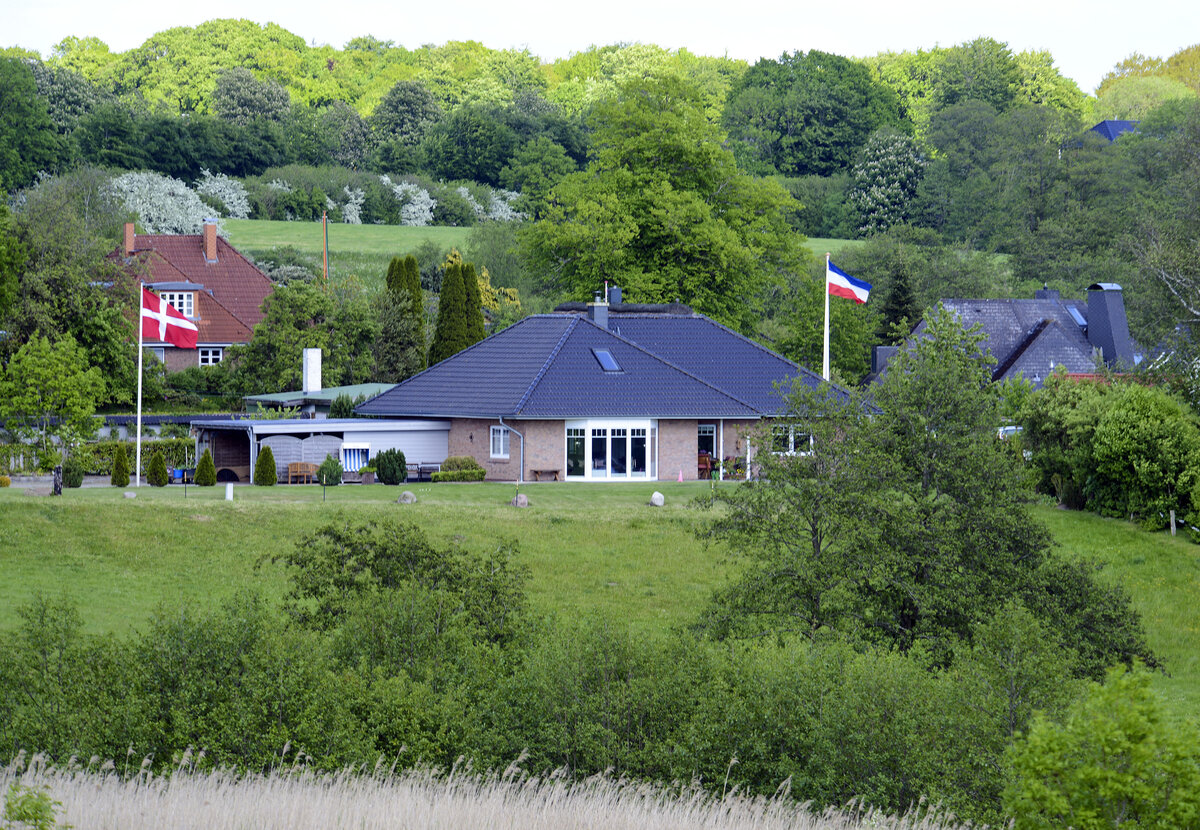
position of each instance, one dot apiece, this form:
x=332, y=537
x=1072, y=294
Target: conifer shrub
x=330, y=472
x=391, y=467
x=120, y=467
x=264, y=468
x=156, y=473
x=72, y=472
x=206, y=470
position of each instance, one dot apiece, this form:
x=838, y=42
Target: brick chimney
x=128, y=246
x=210, y=240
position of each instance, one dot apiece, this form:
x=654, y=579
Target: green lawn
x=383, y=240
x=592, y=548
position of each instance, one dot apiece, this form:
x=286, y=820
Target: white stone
x=657, y=500
x=407, y=497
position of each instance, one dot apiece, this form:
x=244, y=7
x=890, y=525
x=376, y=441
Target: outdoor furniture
x=425, y=471
x=704, y=465
x=303, y=471
x=537, y=474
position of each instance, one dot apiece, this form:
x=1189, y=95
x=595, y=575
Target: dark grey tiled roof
x=544, y=367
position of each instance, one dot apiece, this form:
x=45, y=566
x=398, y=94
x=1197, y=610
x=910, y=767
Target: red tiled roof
x=237, y=286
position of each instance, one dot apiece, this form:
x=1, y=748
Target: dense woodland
x=899, y=617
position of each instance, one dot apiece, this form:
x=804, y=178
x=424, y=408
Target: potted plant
x=368, y=474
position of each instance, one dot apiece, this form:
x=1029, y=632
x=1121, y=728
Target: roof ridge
x=545, y=365
x=677, y=368
x=1023, y=346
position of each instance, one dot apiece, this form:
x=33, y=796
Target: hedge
x=97, y=458
x=459, y=475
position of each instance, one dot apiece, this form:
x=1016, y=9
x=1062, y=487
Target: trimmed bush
x=156, y=472
x=459, y=475
x=5, y=481
x=330, y=472
x=72, y=472
x=120, y=467
x=460, y=462
x=391, y=466
x=264, y=468
x=206, y=471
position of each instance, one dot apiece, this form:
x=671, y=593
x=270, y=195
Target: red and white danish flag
x=160, y=321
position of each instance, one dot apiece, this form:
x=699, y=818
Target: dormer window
x=182, y=301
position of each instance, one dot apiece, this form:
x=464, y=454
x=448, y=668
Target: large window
x=181, y=300
x=787, y=440
x=611, y=449
x=212, y=356
x=499, y=442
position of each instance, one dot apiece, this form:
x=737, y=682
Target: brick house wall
x=545, y=447
x=677, y=449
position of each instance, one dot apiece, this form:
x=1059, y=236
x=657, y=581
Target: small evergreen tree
x=899, y=305
x=342, y=407
x=474, y=305
x=395, y=275
x=330, y=472
x=73, y=472
x=265, y=474
x=156, y=473
x=206, y=470
x=450, y=335
x=391, y=467
x=416, y=310
x=120, y=468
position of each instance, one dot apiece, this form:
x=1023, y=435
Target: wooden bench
x=537, y=474
x=305, y=471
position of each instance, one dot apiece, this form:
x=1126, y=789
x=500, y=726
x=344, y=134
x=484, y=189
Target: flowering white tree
x=501, y=208
x=352, y=210
x=163, y=204
x=229, y=192
x=480, y=213
x=416, y=205
x=885, y=180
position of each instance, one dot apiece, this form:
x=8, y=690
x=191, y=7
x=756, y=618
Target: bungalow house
x=206, y=280
x=1031, y=338
x=601, y=392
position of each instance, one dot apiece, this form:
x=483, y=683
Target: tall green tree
x=474, y=303
x=806, y=113
x=663, y=211
x=28, y=139
x=400, y=350
x=452, y=333
x=48, y=391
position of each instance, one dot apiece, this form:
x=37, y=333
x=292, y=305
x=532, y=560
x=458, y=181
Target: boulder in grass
x=657, y=499
x=129, y=494
x=520, y=500
x=407, y=497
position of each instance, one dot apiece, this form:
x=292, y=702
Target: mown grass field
x=591, y=549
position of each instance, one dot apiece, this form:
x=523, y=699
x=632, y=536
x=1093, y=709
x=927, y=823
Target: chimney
x=1046, y=293
x=310, y=372
x=598, y=312
x=210, y=240
x=614, y=295
x=881, y=356
x=1107, y=328
x=129, y=245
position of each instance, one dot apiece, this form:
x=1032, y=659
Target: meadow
x=592, y=549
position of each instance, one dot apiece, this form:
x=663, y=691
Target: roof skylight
x=607, y=362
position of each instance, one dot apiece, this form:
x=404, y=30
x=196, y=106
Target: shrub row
x=459, y=475
x=97, y=458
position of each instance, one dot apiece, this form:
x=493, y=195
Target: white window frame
x=181, y=301
x=647, y=429
x=160, y=352
x=499, y=443
x=798, y=443
x=207, y=351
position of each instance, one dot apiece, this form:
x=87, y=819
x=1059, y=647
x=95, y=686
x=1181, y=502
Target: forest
x=965, y=170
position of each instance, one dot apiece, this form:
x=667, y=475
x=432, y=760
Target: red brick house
x=205, y=279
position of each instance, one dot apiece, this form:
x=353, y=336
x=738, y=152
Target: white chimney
x=310, y=372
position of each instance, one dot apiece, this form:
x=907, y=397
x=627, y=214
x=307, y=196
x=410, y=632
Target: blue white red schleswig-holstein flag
x=841, y=284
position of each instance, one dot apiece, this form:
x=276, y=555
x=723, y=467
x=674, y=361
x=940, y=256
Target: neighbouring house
x=313, y=400
x=207, y=281
x=601, y=392
x=1113, y=129
x=1031, y=338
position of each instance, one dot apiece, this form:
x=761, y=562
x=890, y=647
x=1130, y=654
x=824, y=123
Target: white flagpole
x=825, y=358
x=137, y=470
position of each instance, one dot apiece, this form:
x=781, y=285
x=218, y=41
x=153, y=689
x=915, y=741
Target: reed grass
x=101, y=797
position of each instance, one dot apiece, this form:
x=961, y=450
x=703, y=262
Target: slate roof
x=1029, y=337
x=1113, y=129
x=671, y=366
